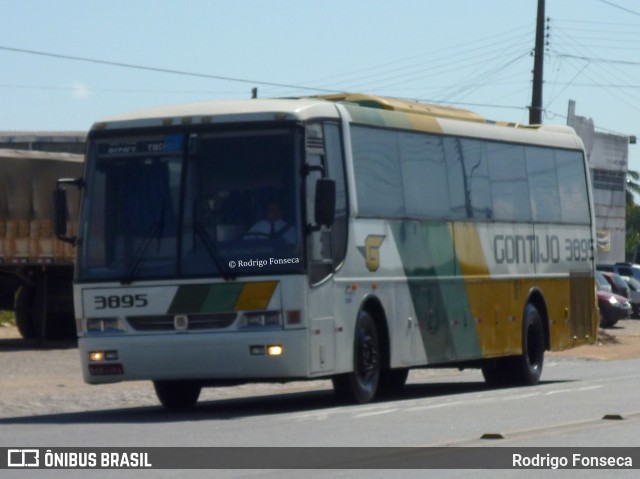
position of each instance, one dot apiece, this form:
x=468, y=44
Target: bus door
x=326, y=243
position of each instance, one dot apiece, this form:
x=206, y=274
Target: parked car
x=634, y=291
x=613, y=308
x=601, y=282
x=623, y=269
x=618, y=285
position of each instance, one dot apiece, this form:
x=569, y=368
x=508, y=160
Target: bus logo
x=181, y=322
x=371, y=251
x=23, y=458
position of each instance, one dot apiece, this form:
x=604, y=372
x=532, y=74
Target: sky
x=68, y=63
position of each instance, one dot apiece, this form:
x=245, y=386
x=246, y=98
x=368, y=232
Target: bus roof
x=362, y=108
x=404, y=106
x=222, y=111
x=410, y=115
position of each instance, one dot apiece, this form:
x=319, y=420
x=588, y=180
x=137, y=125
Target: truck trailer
x=36, y=268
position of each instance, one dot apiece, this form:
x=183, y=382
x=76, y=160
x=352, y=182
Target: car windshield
x=602, y=283
x=633, y=283
x=619, y=281
x=189, y=205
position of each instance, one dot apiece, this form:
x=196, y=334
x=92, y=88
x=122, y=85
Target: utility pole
x=535, y=110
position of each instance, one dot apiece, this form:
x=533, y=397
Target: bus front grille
x=167, y=322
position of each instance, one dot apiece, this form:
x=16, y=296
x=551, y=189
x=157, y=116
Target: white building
x=608, y=157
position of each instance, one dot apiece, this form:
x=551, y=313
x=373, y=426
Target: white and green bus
x=348, y=237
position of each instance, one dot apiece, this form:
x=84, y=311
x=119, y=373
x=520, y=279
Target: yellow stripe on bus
x=255, y=296
x=469, y=250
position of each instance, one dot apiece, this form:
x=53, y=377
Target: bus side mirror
x=61, y=208
x=61, y=215
x=325, y=201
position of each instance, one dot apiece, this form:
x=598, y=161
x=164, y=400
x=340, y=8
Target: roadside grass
x=7, y=318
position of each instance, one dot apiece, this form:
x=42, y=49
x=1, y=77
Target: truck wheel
x=24, y=312
x=177, y=395
x=58, y=302
x=361, y=385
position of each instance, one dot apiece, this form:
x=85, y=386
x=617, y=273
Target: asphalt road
x=445, y=409
x=437, y=408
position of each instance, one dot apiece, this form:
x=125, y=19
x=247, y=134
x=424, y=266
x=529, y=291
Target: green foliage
x=633, y=186
x=632, y=236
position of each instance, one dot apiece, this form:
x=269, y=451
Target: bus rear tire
x=361, y=385
x=177, y=395
x=528, y=366
x=525, y=369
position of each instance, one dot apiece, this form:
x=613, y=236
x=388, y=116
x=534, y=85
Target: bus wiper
x=211, y=250
x=155, y=231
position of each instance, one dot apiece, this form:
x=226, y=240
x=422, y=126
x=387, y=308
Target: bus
x=346, y=236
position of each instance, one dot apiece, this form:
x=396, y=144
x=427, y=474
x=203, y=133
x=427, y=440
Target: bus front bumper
x=243, y=356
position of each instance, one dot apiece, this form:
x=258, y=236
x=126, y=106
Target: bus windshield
x=217, y=204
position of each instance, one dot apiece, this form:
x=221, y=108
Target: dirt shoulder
x=619, y=342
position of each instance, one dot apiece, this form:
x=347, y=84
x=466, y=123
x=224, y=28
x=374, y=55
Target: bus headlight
x=262, y=350
x=104, y=325
x=275, y=350
x=100, y=356
x=264, y=319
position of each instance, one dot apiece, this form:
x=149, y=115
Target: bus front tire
x=525, y=369
x=361, y=385
x=177, y=395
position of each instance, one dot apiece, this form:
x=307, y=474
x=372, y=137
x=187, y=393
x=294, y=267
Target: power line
x=596, y=127
x=184, y=73
x=111, y=90
x=620, y=7
x=479, y=105
x=614, y=74
x=159, y=70
x=445, y=56
x=595, y=59
x=593, y=22
x=466, y=63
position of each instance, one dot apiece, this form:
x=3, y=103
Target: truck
x=36, y=268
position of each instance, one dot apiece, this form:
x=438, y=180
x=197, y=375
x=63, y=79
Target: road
x=437, y=408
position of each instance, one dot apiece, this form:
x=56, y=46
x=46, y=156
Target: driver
x=274, y=226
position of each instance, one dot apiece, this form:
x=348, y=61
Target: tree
x=633, y=186
x=632, y=234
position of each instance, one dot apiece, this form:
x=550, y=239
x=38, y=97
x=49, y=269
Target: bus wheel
x=361, y=385
x=177, y=395
x=523, y=370
x=528, y=366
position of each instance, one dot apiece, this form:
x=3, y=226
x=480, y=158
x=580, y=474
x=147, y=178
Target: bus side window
x=335, y=165
x=327, y=246
x=319, y=240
